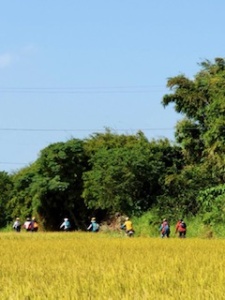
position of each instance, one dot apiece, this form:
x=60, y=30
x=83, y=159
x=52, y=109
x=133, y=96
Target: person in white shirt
x=17, y=225
x=26, y=224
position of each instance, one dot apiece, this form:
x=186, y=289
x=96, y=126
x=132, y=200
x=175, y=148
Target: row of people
x=32, y=225
x=180, y=228
x=29, y=225
x=93, y=227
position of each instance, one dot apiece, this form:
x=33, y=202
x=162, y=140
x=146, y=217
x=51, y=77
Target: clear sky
x=71, y=68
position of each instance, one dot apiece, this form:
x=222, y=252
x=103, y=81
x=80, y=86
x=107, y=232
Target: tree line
x=109, y=172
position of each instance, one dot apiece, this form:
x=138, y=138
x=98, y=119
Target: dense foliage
x=109, y=172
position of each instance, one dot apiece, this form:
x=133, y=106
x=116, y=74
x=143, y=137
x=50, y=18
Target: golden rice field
x=64, y=266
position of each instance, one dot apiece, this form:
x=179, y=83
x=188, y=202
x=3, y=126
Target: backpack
x=67, y=224
x=35, y=225
x=95, y=227
x=183, y=225
x=166, y=228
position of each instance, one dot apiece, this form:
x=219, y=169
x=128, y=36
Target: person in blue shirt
x=65, y=225
x=94, y=226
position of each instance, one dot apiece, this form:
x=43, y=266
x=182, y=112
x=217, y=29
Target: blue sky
x=71, y=68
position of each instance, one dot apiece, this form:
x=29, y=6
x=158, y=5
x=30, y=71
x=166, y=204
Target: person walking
x=65, y=225
x=33, y=225
x=165, y=229
x=94, y=226
x=128, y=226
x=17, y=225
x=27, y=224
x=181, y=228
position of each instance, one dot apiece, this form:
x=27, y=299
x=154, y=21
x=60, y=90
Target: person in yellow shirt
x=128, y=226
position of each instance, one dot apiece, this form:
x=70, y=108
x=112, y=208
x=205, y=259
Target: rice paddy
x=74, y=265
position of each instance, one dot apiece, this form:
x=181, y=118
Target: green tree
x=211, y=203
x=201, y=101
x=200, y=134
x=180, y=191
x=21, y=196
x=59, y=185
x=51, y=188
x=5, y=191
x=125, y=172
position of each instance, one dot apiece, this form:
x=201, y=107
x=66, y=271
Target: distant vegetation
x=109, y=172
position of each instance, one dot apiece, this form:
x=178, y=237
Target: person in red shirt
x=181, y=228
